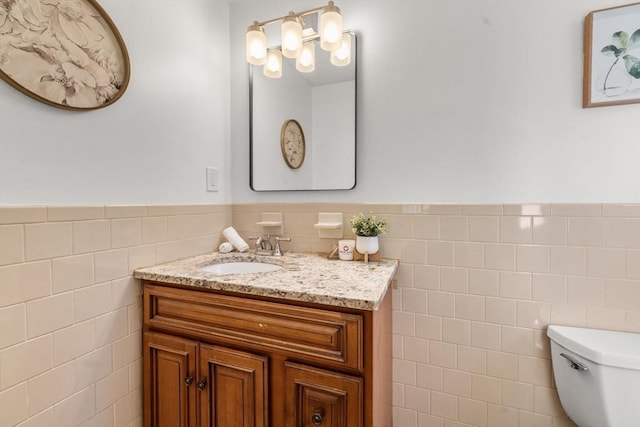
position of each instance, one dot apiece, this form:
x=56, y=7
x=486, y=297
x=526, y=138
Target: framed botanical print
x=612, y=56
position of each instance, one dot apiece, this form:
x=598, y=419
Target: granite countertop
x=303, y=277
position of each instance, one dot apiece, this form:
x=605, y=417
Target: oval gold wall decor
x=65, y=53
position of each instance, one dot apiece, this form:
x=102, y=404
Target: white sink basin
x=240, y=267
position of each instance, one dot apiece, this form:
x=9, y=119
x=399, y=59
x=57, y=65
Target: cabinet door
x=233, y=387
x=319, y=398
x=169, y=379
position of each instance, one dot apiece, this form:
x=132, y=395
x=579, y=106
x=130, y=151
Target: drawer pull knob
x=202, y=385
x=188, y=381
x=317, y=418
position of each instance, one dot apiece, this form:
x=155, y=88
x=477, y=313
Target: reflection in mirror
x=323, y=103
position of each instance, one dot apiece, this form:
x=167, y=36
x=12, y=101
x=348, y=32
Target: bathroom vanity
x=306, y=345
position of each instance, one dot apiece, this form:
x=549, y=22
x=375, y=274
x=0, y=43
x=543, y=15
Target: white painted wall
x=464, y=101
x=152, y=146
x=459, y=101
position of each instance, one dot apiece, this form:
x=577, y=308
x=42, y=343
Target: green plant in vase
x=367, y=228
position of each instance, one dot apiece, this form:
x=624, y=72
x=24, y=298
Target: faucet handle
x=277, y=251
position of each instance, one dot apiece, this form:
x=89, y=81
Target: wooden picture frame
x=67, y=54
x=612, y=56
x=292, y=144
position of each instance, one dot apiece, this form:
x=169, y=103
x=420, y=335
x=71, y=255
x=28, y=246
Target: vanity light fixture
x=342, y=56
x=273, y=65
x=291, y=36
x=296, y=43
x=306, y=61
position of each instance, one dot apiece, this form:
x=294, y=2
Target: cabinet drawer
x=303, y=332
x=318, y=397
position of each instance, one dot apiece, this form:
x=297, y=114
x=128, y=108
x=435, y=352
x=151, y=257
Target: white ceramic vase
x=367, y=245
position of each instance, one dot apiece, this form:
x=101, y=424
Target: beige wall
x=477, y=286
x=70, y=312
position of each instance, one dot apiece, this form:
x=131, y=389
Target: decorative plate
x=292, y=144
x=65, y=53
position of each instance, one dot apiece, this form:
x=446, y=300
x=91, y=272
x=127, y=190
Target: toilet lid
x=611, y=348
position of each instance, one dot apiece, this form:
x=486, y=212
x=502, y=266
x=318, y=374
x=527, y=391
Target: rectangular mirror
x=303, y=126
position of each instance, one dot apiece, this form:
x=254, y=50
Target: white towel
x=225, y=247
x=234, y=238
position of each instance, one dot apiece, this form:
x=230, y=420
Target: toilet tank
x=597, y=374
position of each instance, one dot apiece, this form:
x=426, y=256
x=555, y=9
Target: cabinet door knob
x=317, y=418
x=188, y=381
x=202, y=384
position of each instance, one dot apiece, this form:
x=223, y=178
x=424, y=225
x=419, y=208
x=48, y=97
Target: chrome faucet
x=264, y=243
x=264, y=246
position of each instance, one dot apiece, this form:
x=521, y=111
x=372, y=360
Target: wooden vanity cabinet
x=229, y=360
x=169, y=373
x=228, y=386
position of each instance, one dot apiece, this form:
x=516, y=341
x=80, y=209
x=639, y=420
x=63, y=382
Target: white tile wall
x=477, y=286
x=25, y=360
x=49, y=314
x=51, y=387
x=70, y=315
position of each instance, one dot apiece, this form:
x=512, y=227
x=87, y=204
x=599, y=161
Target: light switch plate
x=212, y=179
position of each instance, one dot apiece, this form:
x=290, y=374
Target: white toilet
x=598, y=375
